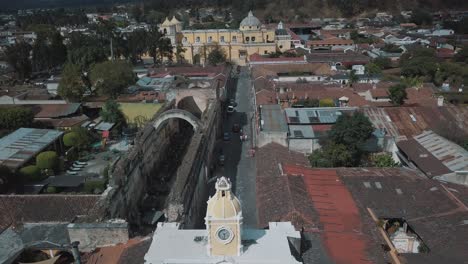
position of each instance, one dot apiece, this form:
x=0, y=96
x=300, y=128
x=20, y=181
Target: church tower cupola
x=224, y=221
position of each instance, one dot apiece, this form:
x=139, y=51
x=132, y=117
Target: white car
x=230, y=109
x=72, y=172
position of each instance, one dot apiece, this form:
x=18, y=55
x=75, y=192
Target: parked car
x=236, y=128
x=221, y=158
x=227, y=136
x=230, y=109
x=78, y=166
x=74, y=169
x=233, y=102
x=72, y=172
x=80, y=162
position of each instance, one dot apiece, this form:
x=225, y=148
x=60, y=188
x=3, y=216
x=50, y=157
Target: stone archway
x=178, y=113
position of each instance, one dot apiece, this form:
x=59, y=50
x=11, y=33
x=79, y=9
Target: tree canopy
x=112, y=77
x=216, y=55
x=112, y=113
x=78, y=137
x=332, y=155
x=17, y=57
x=16, y=117
x=47, y=160
x=351, y=130
x=397, y=94
x=72, y=86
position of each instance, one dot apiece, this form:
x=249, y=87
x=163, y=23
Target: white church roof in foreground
x=172, y=245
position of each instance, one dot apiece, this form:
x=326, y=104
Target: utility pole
x=111, y=49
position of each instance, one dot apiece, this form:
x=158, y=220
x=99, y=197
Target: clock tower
x=224, y=221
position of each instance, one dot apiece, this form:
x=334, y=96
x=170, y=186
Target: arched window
x=234, y=39
x=197, y=39
x=222, y=39
x=210, y=39
x=184, y=40
x=247, y=39
x=165, y=31
x=253, y=39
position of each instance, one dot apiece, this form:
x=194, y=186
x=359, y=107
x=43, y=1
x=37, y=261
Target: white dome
x=250, y=21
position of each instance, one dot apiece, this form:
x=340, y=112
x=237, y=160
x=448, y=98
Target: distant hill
x=277, y=7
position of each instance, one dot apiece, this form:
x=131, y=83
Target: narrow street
x=239, y=165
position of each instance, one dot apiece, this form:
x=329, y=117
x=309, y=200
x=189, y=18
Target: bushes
x=51, y=189
x=31, y=173
x=70, y=139
x=16, y=117
x=47, y=160
x=326, y=102
x=94, y=186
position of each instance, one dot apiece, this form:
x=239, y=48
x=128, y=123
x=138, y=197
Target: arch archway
x=180, y=114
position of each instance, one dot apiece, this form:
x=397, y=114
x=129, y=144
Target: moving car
x=227, y=136
x=233, y=102
x=236, y=128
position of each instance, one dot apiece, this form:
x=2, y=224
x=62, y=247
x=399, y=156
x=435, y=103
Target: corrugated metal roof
x=23, y=144
x=320, y=115
x=273, y=119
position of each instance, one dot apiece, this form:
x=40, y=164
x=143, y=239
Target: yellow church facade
x=251, y=37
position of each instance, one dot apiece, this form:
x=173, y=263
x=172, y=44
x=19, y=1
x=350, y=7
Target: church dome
x=224, y=204
x=250, y=22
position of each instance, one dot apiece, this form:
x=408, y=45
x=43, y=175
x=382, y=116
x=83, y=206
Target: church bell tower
x=224, y=221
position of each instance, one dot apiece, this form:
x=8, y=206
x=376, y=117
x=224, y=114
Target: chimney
x=440, y=101
x=76, y=252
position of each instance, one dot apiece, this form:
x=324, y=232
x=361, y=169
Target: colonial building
x=251, y=37
x=224, y=240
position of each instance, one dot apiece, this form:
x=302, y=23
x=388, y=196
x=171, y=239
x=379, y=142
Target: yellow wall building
x=251, y=37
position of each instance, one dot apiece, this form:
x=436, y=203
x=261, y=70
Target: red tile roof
x=131, y=252
x=258, y=58
x=338, y=214
x=17, y=209
x=330, y=41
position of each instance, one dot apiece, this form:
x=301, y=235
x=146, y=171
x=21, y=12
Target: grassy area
x=139, y=113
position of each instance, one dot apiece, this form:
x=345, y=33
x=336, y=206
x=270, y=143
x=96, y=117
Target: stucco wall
x=93, y=235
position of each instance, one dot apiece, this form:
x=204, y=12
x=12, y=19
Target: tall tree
x=85, y=51
x=112, y=113
x=397, y=94
x=72, y=86
x=18, y=57
x=351, y=130
x=110, y=78
x=216, y=55
x=16, y=117
x=41, y=54
x=58, y=48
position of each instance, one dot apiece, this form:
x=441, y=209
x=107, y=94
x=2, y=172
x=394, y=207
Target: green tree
x=180, y=50
x=353, y=78
x=351, y=130
x=384, y=160
x=112, y=77
x=47, y=161
x=383, y=63
x=397, y=94
x=421, y=17
x=58, y=54
x=217, y=55
x=41, y=54
x=84, y=51
x=79, y=137
x=462, y=54
x=16, y=117
x=72, y=86
x=18, y=57
x=31, y=173
x=331, y=155
x=112, y=113
x=373, y=69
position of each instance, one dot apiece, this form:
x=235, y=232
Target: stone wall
x=130, y=175
x=186, y=202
